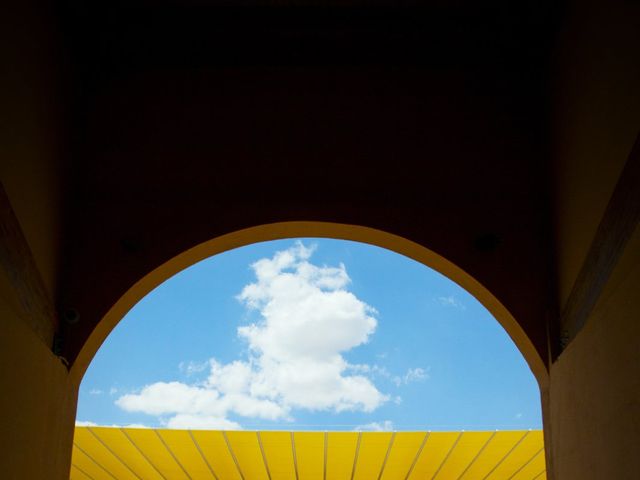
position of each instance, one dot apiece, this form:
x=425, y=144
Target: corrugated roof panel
x=495, y=452
x=524, y=450
x=88, y=466
x=121, y=446
x=214, y=449
x=102, y=453
x=77, y=474
x=464, y=453
x=278, y=450
x=403, y=452
x=310, y=455
x=96, y=450
x=533, y=467
x=433, y=454
x=373, y=450
x=341, y=451
x=186, y=453
x=246, y=448
x=151, y=446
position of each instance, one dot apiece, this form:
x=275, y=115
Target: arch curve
x=298, y=229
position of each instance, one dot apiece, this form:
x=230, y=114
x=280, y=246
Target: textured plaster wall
x=592, y=423
x=37, y=399
x=596, y=119
x=595, y=386
x=37, y=404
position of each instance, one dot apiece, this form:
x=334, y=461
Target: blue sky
x=310, y=334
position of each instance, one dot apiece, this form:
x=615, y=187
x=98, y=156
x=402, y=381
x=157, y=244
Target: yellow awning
x=140, y=454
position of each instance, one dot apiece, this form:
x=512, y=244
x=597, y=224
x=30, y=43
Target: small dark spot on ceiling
x=487, y=242
x=131, y=245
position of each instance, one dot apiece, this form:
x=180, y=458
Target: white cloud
x=186, y=402
x=82, y=423
x=412, y=375
x=201, y=422
x=95, y=391
x=385, y=426
x=113, y=391
x=85, y=423
x=191, y=368
x=415, y=375
x=173, y=397
x=451, y=301
x=365, y=368
x=307, y=320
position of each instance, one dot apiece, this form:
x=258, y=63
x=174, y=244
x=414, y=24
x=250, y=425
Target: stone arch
x=296, y=229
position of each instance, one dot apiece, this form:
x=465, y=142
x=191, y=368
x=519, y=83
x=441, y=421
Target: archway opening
x=289, y=230
x=310, y=333
x=280, y=373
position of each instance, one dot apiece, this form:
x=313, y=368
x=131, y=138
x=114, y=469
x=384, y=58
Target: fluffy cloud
x=385, y=426
x=197, y=406
x=82, y=423
x=191, y=368
x=85, y=423
x=200, y=422
x=412, y=375
x=451, y=301
x=307, y=320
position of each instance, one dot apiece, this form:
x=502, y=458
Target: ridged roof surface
x=131, y=453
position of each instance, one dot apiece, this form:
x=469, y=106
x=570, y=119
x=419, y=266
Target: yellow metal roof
x=140, y=454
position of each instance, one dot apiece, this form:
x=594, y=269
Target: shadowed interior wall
x=594, y=412
x=593, y=420
x=38, y=400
